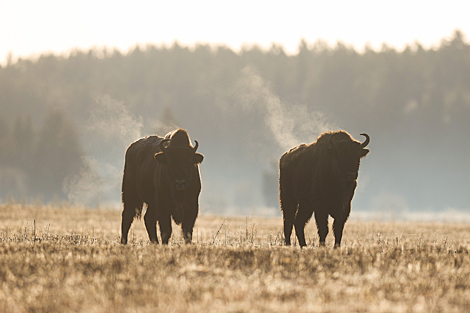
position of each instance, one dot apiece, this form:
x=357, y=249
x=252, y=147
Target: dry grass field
x=62, y=259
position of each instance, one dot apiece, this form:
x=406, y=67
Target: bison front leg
x=321, y=219
x=188, y=223
x=165, y=228
x=338, y=226
x=151, y=223
x=188, y=230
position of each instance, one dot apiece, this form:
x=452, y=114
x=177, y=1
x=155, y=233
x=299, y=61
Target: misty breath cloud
x=290, y=124
x=109, y=130
x=110, y=119
x=84, y=188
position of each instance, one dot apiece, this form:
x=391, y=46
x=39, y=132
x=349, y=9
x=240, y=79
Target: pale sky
x=32, y=27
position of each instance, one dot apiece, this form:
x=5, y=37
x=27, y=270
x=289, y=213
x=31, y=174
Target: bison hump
x=293, y=154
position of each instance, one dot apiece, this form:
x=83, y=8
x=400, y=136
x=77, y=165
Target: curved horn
x=196, y=146
x=162, y=146
x=365, y=143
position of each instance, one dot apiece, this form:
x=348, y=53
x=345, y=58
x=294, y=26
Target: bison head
x=347, y=153
x=181, y=162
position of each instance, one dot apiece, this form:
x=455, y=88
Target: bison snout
x=180, y=184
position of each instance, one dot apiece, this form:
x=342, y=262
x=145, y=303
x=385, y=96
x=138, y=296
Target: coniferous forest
x=66, y=120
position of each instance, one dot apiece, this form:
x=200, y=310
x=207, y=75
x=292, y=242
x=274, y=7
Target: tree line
x=35, y=161
x=414, y=103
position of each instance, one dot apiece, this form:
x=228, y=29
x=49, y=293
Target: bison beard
x=320, y=178
x=164, y=174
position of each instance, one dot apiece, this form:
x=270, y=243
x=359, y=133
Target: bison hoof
x=337, y=245
x=188, y=237
x=322, y=244
x=123, y=241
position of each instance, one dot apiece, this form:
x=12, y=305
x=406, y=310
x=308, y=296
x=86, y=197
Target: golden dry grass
x=62, y=259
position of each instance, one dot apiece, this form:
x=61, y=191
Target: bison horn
x=196, y=146
x=162, y=144
x=365, y=143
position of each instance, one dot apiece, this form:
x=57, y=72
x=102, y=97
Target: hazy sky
x=33, y=27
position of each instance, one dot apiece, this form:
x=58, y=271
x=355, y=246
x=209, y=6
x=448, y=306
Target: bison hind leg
x=289, y=207
x=303, y=216
x=130, y=212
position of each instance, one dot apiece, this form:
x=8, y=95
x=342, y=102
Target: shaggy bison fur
x=320, y=178
x=164, y=174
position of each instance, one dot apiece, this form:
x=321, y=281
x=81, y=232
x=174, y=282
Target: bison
x=164, y=174
x=320, y=178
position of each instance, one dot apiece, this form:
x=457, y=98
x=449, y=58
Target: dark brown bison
x=164, y=174
x=320, y=178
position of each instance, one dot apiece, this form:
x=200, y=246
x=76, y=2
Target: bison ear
x=160, y=157
x=198, y=158
x=364, y=152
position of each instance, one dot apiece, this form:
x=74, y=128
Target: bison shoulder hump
x=149, y=143
x=293, y=154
